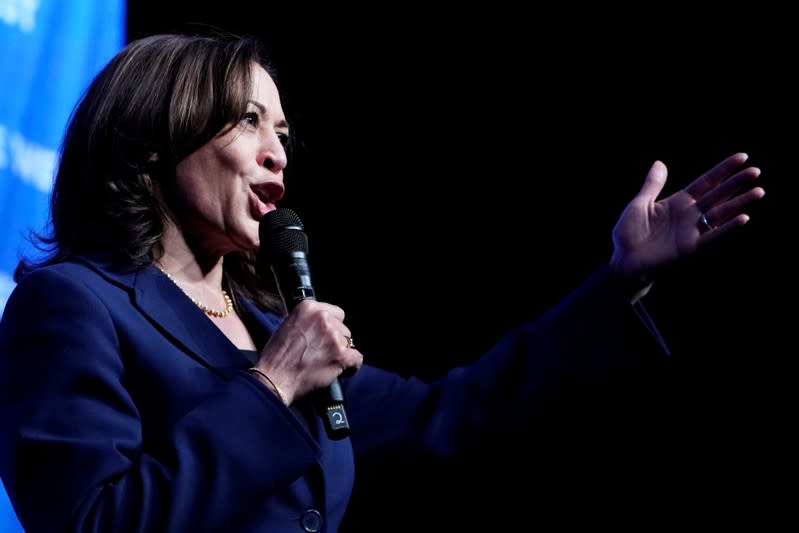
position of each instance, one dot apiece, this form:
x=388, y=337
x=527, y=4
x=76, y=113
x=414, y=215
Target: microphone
x=284, y=246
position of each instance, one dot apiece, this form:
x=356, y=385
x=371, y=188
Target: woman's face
x=225, y=187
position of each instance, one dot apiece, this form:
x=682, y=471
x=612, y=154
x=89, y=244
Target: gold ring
x=350, y=342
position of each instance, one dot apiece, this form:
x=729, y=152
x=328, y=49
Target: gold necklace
x=207, y=310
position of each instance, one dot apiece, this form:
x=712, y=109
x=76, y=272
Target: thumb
x=654, y=182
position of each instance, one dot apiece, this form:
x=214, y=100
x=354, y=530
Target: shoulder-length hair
x=158, y=100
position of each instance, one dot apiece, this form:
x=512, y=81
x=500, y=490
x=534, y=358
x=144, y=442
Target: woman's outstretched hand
x=652, y=233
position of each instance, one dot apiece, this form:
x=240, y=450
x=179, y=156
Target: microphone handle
x=328, y=402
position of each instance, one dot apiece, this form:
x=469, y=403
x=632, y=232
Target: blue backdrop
x=49, y=51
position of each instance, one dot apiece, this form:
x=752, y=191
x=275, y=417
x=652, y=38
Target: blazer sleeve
x=591, y=332
x=71, y=436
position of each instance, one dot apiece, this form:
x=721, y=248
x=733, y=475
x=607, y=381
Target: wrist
x=267, y=381
x=634, y=285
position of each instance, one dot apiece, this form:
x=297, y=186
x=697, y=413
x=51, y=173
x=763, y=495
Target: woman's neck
x=188, y=265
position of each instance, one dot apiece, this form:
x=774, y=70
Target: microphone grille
x=281, y=232
x=281, y=217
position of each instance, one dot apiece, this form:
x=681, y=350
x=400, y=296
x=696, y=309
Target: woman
x=150, y=379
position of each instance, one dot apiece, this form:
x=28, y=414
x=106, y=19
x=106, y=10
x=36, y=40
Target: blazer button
x=311, y=521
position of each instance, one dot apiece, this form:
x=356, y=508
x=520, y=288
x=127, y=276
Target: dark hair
x=158, y=100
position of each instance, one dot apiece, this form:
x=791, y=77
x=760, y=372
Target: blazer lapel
x=161, y=301
x=266, y=320
x=164, y=303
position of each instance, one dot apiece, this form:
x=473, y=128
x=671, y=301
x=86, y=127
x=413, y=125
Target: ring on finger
x=704, y=223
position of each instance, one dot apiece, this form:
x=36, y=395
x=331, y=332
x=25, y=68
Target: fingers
x=716, y=175
x=728, y=188
x=349, y=341
x=723, y=229
x=730, y=214
x=324, y=323
x=351, y=359
x=720, y=204
x=353, y=362
x=333, y=311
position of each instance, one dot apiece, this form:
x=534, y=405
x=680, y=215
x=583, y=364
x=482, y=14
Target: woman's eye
x=284, y=138
x=251, y=119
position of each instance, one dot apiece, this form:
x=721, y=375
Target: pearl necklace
x=207, y=310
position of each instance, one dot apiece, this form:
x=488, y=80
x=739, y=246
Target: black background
x=460, y=171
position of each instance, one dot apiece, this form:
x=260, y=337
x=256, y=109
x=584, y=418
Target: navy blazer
x=123, y=408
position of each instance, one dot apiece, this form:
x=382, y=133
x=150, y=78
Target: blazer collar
x=162, y=302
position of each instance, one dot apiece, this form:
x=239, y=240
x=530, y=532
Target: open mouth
x=263, y=198
x=259, y=205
